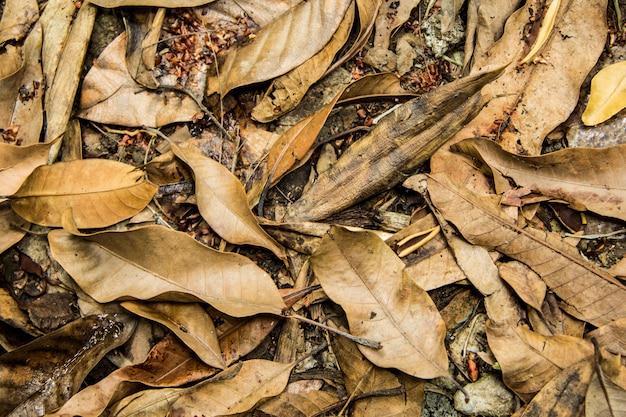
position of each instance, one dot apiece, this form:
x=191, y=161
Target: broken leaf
x=587, y=293
x=112, y=265
x=99, y=192
x=280, y=46
x=40, y=376
x=223, y=203
x=608, y=94
x=189, y=321
x=588, y=178
x=362, y=274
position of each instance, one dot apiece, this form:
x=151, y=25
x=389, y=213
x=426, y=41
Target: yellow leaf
x=608, y=94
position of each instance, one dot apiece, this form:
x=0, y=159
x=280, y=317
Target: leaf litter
x=186, y=291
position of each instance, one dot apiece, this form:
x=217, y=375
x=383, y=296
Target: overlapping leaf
x=109, y=266
x=362, y=274
x=99, y=192
x=608, y=94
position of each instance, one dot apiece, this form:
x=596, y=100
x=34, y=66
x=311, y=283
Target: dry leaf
x=143, y=28
x=17, y=163
x=587, y=293
x=384, y=86
x=40, y=376
x=307, y=404
x=526, y=283
x=544, y=32
x=154, y=3
x=223, y=203
x=529, y=360
x=588, y=178
x=287, y=91
x=596, y=400
x=362, y=274
x=56, y=20
x=137, y=264
x=261, y=12
x=111, y=95
x=99, y=192
x=280, y=46
x=18, y=18
x=168, y=364
x=611, y=336
x=189, y=321
x=608, y=94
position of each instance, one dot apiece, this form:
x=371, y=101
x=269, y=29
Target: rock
x=487, y=397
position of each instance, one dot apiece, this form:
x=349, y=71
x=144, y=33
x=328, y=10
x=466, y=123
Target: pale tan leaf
x=112, y=265
x=154, y=3
x=261, y=12
x=529, y=360
x=110, y=95
x=18, y=17
x=42, y=375
x=526, y=283
x=587, y=293
x=99, y=192
x=56, y=21
x=223, y=203
x=281, y=45
x=611, y=336
x=608, y=94
x=596, y=401
x=287, y=91
x=17, y=163
x=257, y=379
x=362, y=274
x=547, y=25
x=564, y=395
x=189, y=321
x=168, y=364
x=588, y=178
x=307, y=404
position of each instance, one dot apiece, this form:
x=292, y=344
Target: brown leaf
x=306, y=404
x=189, y=321
x=384, y=85
x=564, y=395
x=168, y=364
x=17, y=163
x=526, y=283
x=111, y=95
x=99, y=192
x=281, y=45
x=287, y=91
x=362, y=274
x=611, y=336
x=223, y=203
x=596, y=401
x=588, y=178
x=154, y=3
x=529, y=360
x=102, y=264
x=18, y=19
x=40, y=376
x=587, y=293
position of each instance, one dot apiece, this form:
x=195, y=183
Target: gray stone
x=487, y=397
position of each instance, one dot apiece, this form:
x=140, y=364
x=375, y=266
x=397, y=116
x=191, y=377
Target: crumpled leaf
x=287, y=91
x=111, y=95
x=99, y=192
x=168, y=364
x=280, y=46
x=530, y=360
x=608, y=94
x=103, y=264
x=189, y=321
x=43, y=374
x=587, y=293
x=588, y=178
x=223, y=203
x=362, y=274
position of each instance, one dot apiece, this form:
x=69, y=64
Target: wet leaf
x=223, y=203
x=99, y=192
x=530, y=360
x=281, y=45
x=608, y=94
x=40, y=376
x=587, y=293
x=362, y=274
x=588, y=178
x=102, y=264
x=110, y=95
x=189, y=321
x=168, y=364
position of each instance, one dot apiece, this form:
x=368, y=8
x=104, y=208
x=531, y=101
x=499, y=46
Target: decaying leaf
x=280, y=46
x=40, y=376
x=588, y=178
x=587, y=293
x=362, y=274
x=189, y=321
x=137, y=264
x=223, y=203
x=608, y=94
x=402, y=140
x=99, y=192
